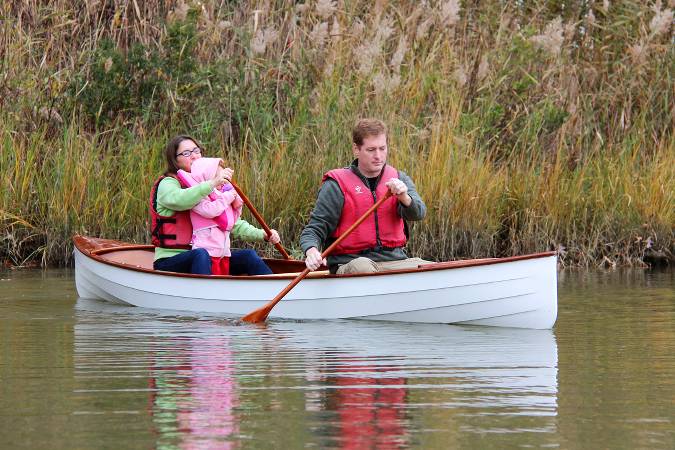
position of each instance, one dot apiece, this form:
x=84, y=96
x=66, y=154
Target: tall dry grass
x=526, y=126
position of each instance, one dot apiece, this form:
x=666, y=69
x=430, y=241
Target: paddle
x=260, y=314
x=259, y=218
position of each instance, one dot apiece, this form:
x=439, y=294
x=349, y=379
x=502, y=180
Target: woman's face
x=189, y=148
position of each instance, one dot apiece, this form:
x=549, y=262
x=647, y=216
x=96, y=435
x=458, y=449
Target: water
x=81, y=374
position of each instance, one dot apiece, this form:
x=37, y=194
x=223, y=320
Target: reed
x=526, y=127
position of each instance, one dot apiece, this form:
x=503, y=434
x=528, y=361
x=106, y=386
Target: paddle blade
x=260, y=314
x=257, y=316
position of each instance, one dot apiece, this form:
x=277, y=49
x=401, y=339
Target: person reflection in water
x=194, y=395
x=371, y=408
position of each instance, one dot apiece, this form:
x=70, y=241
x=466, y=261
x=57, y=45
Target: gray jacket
x=326, y=214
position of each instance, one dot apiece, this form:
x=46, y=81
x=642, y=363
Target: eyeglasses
x=187, y=153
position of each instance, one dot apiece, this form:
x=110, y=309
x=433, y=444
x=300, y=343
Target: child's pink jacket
x=215, y=215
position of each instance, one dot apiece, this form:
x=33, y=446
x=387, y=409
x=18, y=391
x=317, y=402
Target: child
x=215, y=215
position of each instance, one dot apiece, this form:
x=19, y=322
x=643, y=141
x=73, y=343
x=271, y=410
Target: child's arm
x=211, y=208
x=230, y=198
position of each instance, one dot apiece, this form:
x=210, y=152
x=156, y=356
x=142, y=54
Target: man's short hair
x=364, y=128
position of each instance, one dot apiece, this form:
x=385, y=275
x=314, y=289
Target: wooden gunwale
x=94, y=248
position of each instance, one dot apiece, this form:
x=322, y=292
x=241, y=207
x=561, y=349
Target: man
x=377, y=244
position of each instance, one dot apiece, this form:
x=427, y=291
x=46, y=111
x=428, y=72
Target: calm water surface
x=83, y=374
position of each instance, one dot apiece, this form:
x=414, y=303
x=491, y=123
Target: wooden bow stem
x=260, y=314
x=259, y=218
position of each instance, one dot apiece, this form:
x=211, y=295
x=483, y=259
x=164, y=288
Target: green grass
x=515, y=149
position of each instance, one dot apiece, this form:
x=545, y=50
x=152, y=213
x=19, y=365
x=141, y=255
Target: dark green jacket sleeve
x=417, y=209
x=324, y=217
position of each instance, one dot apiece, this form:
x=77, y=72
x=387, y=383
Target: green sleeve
x=171, y=198
x=247, y=232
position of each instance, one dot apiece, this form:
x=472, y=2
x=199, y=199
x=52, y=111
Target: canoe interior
x=140, y=257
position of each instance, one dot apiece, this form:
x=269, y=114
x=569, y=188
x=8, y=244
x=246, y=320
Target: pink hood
x=204, y=169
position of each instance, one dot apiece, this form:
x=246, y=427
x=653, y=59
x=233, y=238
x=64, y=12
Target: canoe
x=518, y=291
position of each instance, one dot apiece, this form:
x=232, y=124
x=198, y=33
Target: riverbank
x=525, y=128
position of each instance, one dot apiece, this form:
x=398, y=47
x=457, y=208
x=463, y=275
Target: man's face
x=371, y=155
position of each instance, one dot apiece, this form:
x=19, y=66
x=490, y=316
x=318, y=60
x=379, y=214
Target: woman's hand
x=222, y=176
x=273, y=238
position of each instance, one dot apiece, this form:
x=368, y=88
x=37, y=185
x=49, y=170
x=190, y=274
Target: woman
x=171, y=230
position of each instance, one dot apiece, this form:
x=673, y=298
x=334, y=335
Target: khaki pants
x=365, y=265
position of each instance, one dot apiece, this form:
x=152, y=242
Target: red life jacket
x=384, y=223
x=169, y=231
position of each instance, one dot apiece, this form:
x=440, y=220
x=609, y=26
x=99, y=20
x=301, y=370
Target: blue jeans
x=195, y=261
x=247, y=262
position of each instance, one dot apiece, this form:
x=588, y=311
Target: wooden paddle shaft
x=259, y=218
x=360, y=220
x=260, y=314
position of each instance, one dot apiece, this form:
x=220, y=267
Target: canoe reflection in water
x=335, y=383
x=385, y=382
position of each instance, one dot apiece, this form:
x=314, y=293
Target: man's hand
x=313, y=259
x=273, y=238
x=400, y=190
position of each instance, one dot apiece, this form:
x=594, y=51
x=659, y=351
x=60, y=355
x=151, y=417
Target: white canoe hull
x=520, y=293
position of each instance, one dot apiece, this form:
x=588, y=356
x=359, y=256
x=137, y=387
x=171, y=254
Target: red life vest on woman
x=169, y=231
x=384, y=223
